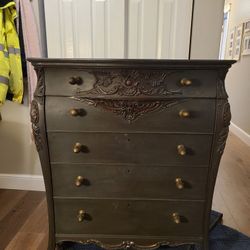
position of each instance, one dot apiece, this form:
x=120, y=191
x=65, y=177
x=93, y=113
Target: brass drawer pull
x=176, y=218
x=79, y=181
x=181, y=150
x=179, y=183
x=184, y=114
x=74, y=112
x=77, y=148
x=186, y=82
x=75, y=80
x=81, y=215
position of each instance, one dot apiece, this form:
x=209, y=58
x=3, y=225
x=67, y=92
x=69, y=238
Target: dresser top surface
x=130, y=63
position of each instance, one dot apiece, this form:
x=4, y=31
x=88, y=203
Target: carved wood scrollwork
x=34, y=109
x=226, y=114
x=129, y=86
x=34, y=115
x=221, y=91
x=131, y=83
x=126, y=245
x=222, y=140
x=129, y=110
x=40, y=88
x=226, y=117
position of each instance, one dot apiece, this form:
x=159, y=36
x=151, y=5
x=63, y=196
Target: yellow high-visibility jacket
x=11, y=77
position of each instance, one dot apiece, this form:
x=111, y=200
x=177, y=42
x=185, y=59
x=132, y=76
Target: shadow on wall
x=17, y=151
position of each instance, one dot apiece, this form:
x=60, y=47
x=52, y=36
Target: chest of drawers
x=130, y=149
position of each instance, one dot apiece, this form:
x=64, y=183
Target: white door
x=118, y=28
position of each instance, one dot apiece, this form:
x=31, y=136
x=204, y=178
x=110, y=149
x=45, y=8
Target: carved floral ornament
x=40, y=88
x=34, y=116
x=127, y=245
x=129, y=110
x=221, y=91
x=112, y=85
x=131, y=83
x=34, y=112
x=226, y=114
x=226, y=117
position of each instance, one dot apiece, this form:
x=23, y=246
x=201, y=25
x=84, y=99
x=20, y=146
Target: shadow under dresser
x=130, y=149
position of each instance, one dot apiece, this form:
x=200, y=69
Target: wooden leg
x=51, y=243
x=53, y=246
x=193, y=247
x=205, y=245
x=202, y=246
x=58, y=247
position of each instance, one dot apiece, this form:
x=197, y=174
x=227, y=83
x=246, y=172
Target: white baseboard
x=22, y=182
x=245, y=137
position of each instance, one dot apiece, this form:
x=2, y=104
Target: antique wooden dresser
x=130, y=149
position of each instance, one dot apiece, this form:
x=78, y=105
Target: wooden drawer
x=128, y=181
x=90, y=118
x=131, y=82
x=129, y=148
x=128, y=217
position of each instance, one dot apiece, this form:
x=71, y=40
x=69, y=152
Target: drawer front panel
x=129, y=148
x=90, y=118
x=128, y=217
x=130, y=82
x=96, y=181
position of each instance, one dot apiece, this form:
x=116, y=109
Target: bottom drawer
x=129, y=217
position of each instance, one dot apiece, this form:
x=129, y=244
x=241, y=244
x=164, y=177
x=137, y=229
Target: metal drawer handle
x=181, y=150
x=81, y=215
x=79, y=180
x=74, y=112
x=179, y=183
x=75, y=80
x=185, y=82
x=176, y=218
x=77, y=148
x=184, y=113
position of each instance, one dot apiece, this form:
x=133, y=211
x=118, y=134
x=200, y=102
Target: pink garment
x=31, y=40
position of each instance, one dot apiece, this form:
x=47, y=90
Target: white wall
x=207, y=24
x=19, y=163
x=18, y=154
x=238, y=78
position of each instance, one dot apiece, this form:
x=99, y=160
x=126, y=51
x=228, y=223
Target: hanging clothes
x=32, y=42
x=11, y=78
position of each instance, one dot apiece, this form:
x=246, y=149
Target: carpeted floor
x=221, y=238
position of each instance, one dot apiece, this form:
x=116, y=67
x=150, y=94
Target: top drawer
x=124, y=83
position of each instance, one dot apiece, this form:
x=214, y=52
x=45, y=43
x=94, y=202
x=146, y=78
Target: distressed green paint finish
x=129, y=181
x=129, y=127
x=128, y=217
x=153, y=148
x=88, y=118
